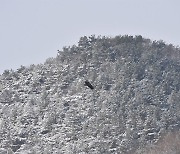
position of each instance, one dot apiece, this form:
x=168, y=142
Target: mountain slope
x=135, y=100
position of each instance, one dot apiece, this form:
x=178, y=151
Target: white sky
x=32, y=30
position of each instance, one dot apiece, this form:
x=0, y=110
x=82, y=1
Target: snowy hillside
x=135, y=101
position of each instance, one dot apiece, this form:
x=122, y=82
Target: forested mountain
x=134, y=102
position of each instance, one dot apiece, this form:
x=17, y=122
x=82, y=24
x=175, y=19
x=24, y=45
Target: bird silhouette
x=87, y=83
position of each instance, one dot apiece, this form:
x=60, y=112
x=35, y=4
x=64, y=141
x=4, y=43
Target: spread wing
x=87, y=83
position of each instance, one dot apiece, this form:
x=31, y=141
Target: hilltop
x=46, y=108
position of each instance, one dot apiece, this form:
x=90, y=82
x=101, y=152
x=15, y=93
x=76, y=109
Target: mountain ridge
x=46, y=108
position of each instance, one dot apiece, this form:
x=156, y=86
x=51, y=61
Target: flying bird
x=87, y=83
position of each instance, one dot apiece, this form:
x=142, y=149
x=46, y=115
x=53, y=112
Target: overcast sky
x=33, y=30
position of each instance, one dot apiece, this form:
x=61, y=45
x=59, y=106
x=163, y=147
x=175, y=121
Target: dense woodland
x=133, y=108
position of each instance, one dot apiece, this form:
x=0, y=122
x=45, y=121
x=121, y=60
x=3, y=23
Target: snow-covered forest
x=133, y=108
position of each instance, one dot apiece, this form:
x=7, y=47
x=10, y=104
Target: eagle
x=87, y=83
